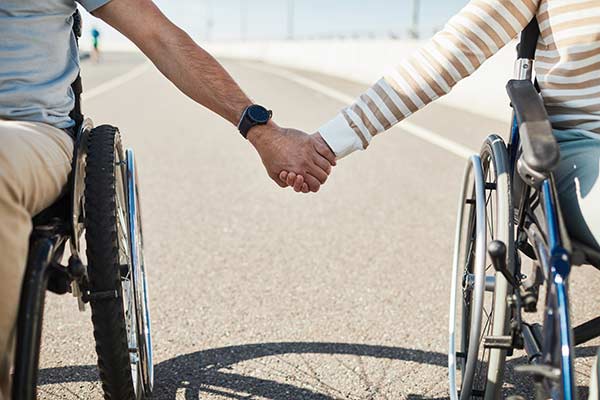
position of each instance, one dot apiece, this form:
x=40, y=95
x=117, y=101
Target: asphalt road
x=260, y=293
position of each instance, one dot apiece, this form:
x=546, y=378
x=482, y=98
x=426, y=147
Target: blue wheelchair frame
x=555, y=261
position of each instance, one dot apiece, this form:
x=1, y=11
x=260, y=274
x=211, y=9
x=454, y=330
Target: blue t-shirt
x=39, y=59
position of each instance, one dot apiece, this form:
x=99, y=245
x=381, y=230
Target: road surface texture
x=260, y=293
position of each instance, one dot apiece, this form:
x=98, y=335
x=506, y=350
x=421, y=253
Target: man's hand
x=295, y=180
x=290, y=150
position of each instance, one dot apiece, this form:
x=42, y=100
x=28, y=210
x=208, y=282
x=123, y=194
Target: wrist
x=252, y=116
x=259, y=133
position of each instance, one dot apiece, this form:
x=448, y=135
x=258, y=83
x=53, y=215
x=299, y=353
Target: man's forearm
x=198, y=74
x=183, y=62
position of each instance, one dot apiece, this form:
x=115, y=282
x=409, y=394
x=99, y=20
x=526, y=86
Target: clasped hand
x=293, y=158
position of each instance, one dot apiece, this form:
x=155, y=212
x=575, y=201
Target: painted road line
x=405, y=126
x=116, y=82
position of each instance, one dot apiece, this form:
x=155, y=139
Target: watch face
x=258, y=114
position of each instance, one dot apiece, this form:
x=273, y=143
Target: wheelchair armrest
x=540, y=148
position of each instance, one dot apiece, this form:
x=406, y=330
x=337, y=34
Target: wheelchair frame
x=47, y=246
x=540, y=234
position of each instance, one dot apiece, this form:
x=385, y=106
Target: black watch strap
x=245, y=126
x=252, y=116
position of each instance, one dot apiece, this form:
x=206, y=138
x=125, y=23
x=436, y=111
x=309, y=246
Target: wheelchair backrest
x=529, y=38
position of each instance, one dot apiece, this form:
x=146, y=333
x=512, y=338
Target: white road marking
x=116, y=82
x=436, y=139
x=405, y=126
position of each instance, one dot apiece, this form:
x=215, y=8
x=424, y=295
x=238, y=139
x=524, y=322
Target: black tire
x=106, y=300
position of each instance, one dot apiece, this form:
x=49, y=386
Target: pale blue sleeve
x=91, y=5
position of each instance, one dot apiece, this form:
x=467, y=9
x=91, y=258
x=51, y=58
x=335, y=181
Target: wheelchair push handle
x=541, y=152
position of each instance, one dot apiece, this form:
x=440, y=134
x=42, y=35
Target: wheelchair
x=509, y=212
x=99, y=218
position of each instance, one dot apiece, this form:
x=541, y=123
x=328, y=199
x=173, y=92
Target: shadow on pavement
x=210, y=371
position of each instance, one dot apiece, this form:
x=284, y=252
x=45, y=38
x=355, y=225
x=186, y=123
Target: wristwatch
x=252, y=116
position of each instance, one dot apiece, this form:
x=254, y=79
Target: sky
x=220, y=20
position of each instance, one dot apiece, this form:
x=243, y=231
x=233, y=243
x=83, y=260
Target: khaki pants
x=35, y=160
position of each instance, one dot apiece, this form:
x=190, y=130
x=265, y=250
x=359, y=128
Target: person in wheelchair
x=566, y=48
x=39, y=62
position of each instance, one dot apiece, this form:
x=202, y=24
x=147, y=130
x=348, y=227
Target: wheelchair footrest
x=498, y=342
x=104, y=295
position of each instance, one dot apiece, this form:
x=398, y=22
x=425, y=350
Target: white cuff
x=340, y=137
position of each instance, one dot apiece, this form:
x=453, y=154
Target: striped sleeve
x=475, y=34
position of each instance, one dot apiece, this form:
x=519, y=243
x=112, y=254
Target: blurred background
x=256, y=292
x=229, y=20
x=332, y=37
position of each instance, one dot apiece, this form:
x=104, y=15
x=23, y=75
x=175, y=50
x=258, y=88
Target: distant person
x=39, y=62
x=95, y=44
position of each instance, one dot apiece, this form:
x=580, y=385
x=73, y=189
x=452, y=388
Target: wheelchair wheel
x=478, y=299
x=595, y=379
x=117, y=282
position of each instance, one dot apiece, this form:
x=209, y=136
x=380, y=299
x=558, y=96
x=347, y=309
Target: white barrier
x=367, y=60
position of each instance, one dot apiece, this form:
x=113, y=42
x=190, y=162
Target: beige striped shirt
x=567, y=67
